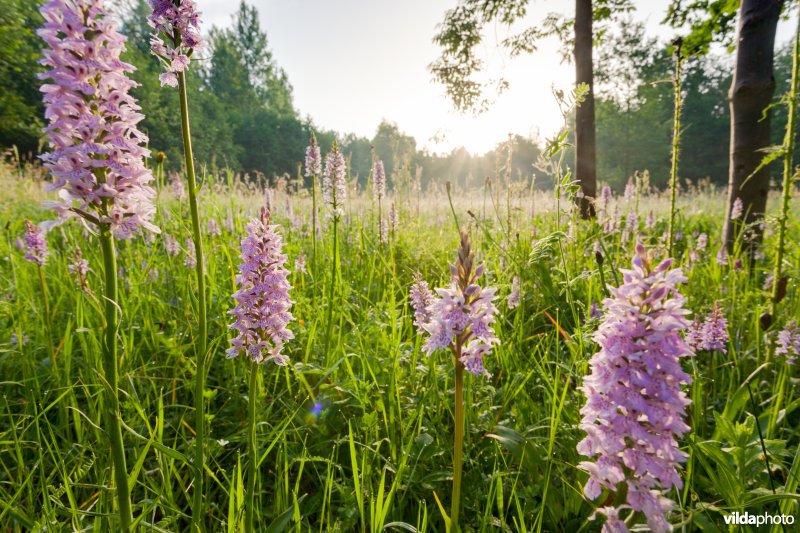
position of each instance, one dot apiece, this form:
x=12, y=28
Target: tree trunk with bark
x=751, y=93
x=585, y=149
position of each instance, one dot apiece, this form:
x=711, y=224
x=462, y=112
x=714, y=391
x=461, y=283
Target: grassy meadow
x=356, y=433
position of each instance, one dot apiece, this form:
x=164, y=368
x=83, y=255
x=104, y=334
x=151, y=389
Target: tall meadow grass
x=356, y=433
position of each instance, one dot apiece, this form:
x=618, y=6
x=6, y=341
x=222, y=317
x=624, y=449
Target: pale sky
x=353, y=63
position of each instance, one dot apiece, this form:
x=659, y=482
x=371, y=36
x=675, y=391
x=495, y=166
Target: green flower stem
x=458, y=439
x=379, y=220
x=676, y=141
x=202, y=337
x=334, y=269
x=111, y=403
x=452, y=208
x=252, y=451
x=788, y=175
x=314, y=224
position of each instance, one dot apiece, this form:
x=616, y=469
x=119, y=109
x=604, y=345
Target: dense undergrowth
x=359, y=437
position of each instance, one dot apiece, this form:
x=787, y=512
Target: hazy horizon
x=378, y=55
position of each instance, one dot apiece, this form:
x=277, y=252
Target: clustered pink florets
x=313, y=159
x=788, y=342
x=461, y=315
x=263, y=302
x=179, y=22
x=334, y=187
x=635, y=407
x=515, y=295
x=97, y=157
x=35, y=244
x=421, y=298
x=378, y=180
x=710, y=334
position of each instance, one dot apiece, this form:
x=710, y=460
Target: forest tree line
x=244, y=117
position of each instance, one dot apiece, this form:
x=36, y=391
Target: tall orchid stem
x=334, y=270
x=202, y=337
x=452, y=208
x=676, y=142
x=111, y=403
x=252, y=452
x=789, y=175
x=314, y=224
x=458, y=438
x=380, y=219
